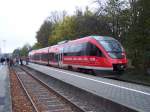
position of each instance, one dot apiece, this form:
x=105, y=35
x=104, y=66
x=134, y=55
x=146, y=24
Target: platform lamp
x=4, y=41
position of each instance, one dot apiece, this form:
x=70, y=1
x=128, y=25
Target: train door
x=60, y=55
x=96, y=57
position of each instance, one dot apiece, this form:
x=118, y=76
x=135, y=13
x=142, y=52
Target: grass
x=137, y=76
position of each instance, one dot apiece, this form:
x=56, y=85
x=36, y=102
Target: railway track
x=20, y=101
x=43, y=98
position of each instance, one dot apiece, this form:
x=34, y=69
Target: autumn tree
x=42, y=35
x=64, y=30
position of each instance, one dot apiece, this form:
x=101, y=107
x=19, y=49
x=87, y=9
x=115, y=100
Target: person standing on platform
x=21, y=63
x=27, y=60
x=17, y=61
x=11, y=62
x=8, y=61
x=2, y=60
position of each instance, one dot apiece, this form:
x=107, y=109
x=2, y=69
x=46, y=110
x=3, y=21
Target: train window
x=71, y=50
x=55, y=57
x=84, y=46
x=92, y=50
x=36, y=56
x=39, y=57
x=111, y=46
x=81, y=49
x=66, y=50
x=78, y=50
x=44, y=57
x=51, y=56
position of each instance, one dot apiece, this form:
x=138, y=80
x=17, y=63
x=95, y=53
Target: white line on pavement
x=110, y=84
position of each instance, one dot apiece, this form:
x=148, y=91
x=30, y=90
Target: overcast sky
x=21, y=19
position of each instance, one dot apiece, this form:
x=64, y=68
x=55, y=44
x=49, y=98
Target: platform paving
x=5, y=102
x=131, y=95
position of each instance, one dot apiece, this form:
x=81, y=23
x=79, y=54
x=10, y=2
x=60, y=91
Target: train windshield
x=111, y=45
x=113, y=48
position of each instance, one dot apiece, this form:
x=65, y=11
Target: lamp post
x=4, y=42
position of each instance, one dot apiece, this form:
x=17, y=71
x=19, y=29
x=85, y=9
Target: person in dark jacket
x=21, y=63
x=7, y=60
x=11, y=62
x=2, y=60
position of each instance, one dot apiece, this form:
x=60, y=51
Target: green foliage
x=36, y=46
x=16, y=52
x=91, y=25
x=43, y=33
x=25, y=50
x=117, y=16
x=64, y=30
x=22, y=52
x=138, y=41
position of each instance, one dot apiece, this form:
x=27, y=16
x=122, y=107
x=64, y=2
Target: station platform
x=134, y=96
x=5, y=102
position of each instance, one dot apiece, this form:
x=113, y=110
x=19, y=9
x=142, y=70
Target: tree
x=100, y=9
x=25, y=50
x=43, y=33
x=116, y=13
x=55, y=16
x=91, y=24
x=64, y=30
x=36, y=46
x=16, y=52
x=139, y=35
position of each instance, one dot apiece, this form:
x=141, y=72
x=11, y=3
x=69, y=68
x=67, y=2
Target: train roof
x=42, y=50
x=88, y=38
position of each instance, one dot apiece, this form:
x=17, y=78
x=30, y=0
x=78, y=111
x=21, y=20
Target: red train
x=89, y=53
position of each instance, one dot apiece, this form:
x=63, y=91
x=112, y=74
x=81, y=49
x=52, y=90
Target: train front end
x=114, y=53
